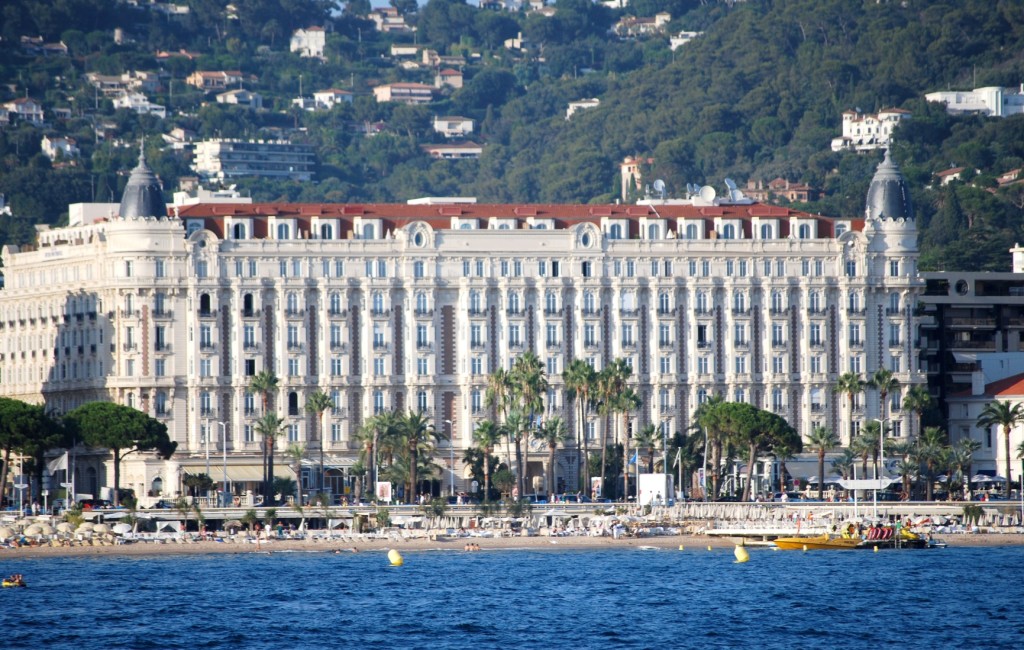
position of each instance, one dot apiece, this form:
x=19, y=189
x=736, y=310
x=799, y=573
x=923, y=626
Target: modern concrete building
x=223, y=159
x=411, y=306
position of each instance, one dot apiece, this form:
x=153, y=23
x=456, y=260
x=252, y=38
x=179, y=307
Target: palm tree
x=318, y=403
x=628, y=402
x=552, y=433
x=269, y=426
x=970, y=446
x=918, y=400
x=580, y=380
x=376, y=428
x=416, y=432
x=498, y=398
x=296, y=452
x=709, y=418
x=885, y=382
x=849, y=384
x=822, y=440
x=611, y=386
x=930, y=446
x=529, y=387
x=1005, y=415
x=265, y=383
x=648, y=439
x=486, y=436
x=844, y=465
x=865, y=446
x=783, y=453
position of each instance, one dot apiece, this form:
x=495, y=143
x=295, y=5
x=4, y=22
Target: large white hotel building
x=410, y=306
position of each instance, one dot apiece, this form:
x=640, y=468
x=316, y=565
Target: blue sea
x=616, y=598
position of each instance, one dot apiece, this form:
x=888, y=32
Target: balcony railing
x=337, y=313
x=206, y=313
x=553, y=311
x=424, y=313
x=629, y=313
x=163, y=314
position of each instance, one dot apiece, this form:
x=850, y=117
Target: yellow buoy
x=709, y=547
x=395, y=558
x=876, y=549
x=741, y=555
x=805, y=548
x=680, y=547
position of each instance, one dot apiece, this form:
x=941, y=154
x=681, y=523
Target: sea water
x=614, y=598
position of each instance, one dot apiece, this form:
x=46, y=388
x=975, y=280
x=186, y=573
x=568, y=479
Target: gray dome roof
x=142, y=195
x=888, y=195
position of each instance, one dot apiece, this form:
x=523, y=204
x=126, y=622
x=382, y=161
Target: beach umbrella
x=34, y=529
x=45, y=529
x=101, y=528
x=6, y=533
x=64, y=527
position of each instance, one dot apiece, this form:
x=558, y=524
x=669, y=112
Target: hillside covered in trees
x=759, y=95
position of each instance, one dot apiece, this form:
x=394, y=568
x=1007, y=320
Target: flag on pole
x=57, y=464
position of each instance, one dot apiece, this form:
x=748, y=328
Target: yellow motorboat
x=823, y=542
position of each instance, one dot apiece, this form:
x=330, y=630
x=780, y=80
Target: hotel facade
x=411, y=306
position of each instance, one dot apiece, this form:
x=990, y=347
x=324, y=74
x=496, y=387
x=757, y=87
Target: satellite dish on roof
x=659, y=187
x=736, y=195
x=730, y=183
x=707, y=193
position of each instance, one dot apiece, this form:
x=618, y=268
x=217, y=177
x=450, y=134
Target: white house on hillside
x=309, y=42
x=453, y=126
x=53, y=146
x=140, y=104
x=241, y=97
x=864, y=132
x=993, y=101
x=581, y=105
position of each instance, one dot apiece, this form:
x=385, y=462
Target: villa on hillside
x=993, y=101
x=867, y=132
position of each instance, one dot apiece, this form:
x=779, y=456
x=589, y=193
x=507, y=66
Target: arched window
x=766, y=231
x=421, y=401
x=129, y=303
x=551, y=301
x=418, y=269
x=739, y=302
x=131, y=400
x=702, y=301
x=894, y=303
x=161, y=402
x=283, y=231
x=776, y=301
x=814, y=301
x=326, y=231
x=503, y=226
x=653, y=231
x=474, y=302
x=588, y=302
x=854, y=301
x=615, y=232
x=247, y=304
x=293, y=303
x=691, y=231
x=204, y=303
x=238, y=231
x=664, y=302
x=629, y=301
x=293, y=403
x=378, y=402
x=729, y=231
x=702, y=396
x=378, y=301
x=368, y=231
x=804, y=231
x=513, y=302
x=421, y=302
x=335, y=303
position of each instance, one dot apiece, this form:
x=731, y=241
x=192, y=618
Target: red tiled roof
x=950, y=171
x=1011, y=386
x=398, y=215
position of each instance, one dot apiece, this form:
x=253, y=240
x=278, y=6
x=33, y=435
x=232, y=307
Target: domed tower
x=888, y=195
x=889, y=215
x=142, y=196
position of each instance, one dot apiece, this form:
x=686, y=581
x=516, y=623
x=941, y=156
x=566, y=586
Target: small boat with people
x=16, y=580
x=852, y=537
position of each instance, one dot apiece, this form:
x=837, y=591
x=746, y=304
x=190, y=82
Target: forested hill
x=758, y=95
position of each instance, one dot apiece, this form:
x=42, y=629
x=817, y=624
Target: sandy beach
x=694, y=543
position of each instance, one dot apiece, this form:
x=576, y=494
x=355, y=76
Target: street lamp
x=224, y=453
x=451, y=458
x=881, y=461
